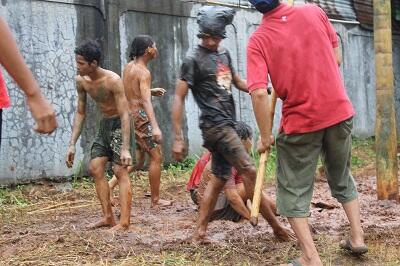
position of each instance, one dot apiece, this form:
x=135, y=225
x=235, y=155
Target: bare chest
x=99, y=92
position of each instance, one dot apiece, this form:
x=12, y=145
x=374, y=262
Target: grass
x=9, y=196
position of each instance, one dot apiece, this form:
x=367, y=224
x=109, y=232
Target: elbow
x=259, y=95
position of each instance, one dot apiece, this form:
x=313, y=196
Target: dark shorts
x=227, y=151
x=143, y=131
x=108, y=140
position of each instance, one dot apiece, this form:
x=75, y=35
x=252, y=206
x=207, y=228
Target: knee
x=120, y=172
x=156, y=156
x=95, y=171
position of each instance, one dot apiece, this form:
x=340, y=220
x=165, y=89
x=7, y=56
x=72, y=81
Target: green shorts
x=297, y=157
x=108, y=140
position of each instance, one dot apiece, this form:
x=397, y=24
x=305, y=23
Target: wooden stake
x=385, y=127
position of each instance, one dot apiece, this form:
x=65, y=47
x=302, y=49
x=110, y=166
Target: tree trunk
x=385, y=128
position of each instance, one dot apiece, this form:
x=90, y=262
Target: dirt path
x=51, y=230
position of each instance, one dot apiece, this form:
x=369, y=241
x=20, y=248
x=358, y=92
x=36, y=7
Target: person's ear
x=94, y=63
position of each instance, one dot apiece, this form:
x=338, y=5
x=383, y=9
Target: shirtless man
x=113, y=136
x=140, y=157
x=137, y=83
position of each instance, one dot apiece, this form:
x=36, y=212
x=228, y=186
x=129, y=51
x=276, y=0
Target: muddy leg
x=125, y=192
x=112, y=183
x=140, y=159
x=97, y=168
x=269, y=215
x=302, y=230
x=352, y=210
x=155, y=177
x=207, y=205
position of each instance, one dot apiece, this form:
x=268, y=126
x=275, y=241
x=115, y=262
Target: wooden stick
x=59, y=205
x=62, y=209
x=255, y=204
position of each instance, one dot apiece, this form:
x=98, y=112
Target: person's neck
x=142, y=60
x=98, y=73
x=208, y=48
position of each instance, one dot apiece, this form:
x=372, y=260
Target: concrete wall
x=47, y=40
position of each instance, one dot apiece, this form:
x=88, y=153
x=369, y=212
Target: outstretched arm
x=158, y=92
x=145, y=92
x=78, y=124
x=123, y=111
x=181, y=91
x=11, y=59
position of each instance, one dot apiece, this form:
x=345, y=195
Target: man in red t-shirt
x=298, y=48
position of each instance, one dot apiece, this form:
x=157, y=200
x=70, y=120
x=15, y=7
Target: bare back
x=133, y=76
x=102, y=91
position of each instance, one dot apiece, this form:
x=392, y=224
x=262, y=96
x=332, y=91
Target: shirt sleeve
x=257, y=70
x=329, y=28
x=188, y=71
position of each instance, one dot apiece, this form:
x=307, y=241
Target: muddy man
x=112, y=140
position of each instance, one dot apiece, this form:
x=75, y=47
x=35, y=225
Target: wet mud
x=51, y=229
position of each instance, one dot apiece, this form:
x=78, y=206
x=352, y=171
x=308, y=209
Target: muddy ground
x=47, y=227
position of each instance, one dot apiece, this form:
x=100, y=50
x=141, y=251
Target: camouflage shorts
x=108, y=140
x=143, y=131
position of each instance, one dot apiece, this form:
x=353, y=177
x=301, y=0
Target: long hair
x=139, y=45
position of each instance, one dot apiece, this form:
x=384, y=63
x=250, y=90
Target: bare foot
x=203, y=240
x=118, y=228
x=162, y=203
x=102, y=223
x=114, y=201
x=284, y=234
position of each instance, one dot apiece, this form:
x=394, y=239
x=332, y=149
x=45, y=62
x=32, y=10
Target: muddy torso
x=131, y=79
x=101, y=91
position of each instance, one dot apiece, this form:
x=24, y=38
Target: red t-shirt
x=4, y=99
x=198, y=170
x=294, y=45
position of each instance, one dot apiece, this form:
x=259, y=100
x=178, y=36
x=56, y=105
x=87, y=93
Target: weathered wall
x=47, y=40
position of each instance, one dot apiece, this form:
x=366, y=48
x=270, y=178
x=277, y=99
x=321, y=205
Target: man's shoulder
x=223, y=50
x=111, y=75
x=112, y=78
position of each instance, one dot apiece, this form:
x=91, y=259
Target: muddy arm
x=79, y=115
x=237, y=202
x=241, y=84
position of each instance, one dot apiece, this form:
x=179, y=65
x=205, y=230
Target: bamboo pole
x=385, y=127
